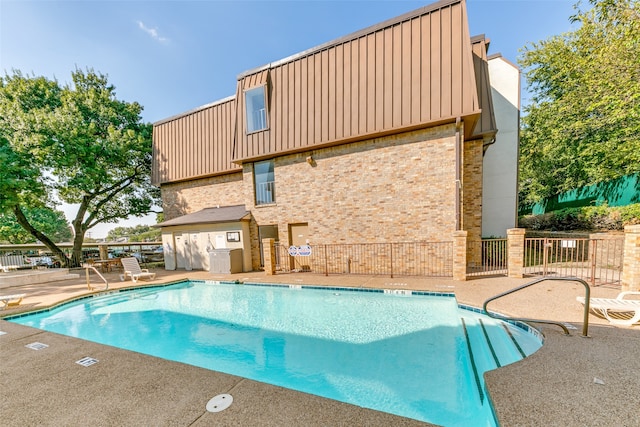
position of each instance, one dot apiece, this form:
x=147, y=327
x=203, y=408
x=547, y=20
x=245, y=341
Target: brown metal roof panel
x=470, y=103
x=367, y=85
x=425, y=10
x=195, y=110
x=486, y=124
x=375, y=79
x=194, y=144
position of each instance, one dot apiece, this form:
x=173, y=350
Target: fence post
x=631, y=259
x=593, y=251
x=460, y=255
x=515, y=252
x=326, y=261
x=391, y=260
x=269, y=256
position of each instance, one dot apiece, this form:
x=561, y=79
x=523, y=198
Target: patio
x=571, y=381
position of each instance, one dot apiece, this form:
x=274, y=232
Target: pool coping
x=559, y=378
x=384, y=291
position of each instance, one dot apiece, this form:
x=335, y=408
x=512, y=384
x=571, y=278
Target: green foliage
x=76, y=144
x=583, y=123
x=25, y=104
x=139, y=233
x=584, y=218
x=51, y=222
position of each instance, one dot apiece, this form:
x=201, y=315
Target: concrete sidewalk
x=553, y=387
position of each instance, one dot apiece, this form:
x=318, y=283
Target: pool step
x=119, y=296
x=491, y=344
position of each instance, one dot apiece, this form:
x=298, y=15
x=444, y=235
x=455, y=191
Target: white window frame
x=265, y=190
x=256, y=120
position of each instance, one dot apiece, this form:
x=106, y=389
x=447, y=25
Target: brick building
x=376, y=137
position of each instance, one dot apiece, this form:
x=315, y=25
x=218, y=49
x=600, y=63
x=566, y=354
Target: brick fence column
x=631, y=261
x=269, y=255
x=515, y=252
x=460, y=255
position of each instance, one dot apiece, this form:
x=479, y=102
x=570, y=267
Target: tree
x=51, y=222
x=583, y=123
x=139, y=233
x=76, y=144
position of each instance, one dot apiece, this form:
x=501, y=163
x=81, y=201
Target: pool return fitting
x=219, y=403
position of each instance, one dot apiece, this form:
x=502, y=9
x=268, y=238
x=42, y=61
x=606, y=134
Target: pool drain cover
x=219, y=403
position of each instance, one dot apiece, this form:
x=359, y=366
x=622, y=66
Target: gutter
x=458, y=172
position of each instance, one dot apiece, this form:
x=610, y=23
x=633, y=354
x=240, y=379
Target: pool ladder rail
x=88, y=267
x=585, y=322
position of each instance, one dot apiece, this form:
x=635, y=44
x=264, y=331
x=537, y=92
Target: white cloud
x=153, y=32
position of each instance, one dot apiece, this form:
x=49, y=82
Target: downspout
x=458, y=172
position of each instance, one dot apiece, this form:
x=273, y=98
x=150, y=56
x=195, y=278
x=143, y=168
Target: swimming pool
x=412, y=354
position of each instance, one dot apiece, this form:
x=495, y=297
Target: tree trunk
x=78, y=239
x=24, y=222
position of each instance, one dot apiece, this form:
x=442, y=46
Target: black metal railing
x=431, y=259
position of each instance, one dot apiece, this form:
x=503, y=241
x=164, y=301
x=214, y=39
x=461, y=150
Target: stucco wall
x=500, y=196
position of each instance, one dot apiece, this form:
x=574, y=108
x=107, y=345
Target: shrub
x=584, y=218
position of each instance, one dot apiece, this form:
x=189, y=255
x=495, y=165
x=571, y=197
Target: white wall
x=190, y=244
x=500, y=164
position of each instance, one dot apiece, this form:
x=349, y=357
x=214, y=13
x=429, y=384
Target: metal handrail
x=585, y=323
x=87, y=267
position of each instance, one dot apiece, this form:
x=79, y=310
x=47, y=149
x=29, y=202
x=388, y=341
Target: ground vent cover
x=87, y=361
x=36, y=346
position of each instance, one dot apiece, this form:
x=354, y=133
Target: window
x=256, y=111
x=265, y=185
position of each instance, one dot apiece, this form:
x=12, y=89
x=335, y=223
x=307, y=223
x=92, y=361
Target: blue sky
x=173, y=56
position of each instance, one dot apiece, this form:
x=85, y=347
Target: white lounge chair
x=618, y=311
x=132, y=269
x=11, y=300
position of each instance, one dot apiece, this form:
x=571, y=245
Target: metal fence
x=38, y=255
x=597, y=261
x=431, y=259
x=487, y=257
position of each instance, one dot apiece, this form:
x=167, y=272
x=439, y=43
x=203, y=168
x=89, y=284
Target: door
x=168, y=245
x=298, y=236
x=197, y=251
x=186, y=251
x=181, y=257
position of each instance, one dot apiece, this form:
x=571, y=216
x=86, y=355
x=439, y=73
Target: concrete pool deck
x=570, y=381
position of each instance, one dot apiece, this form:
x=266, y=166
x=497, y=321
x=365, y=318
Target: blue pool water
x=419, y=356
